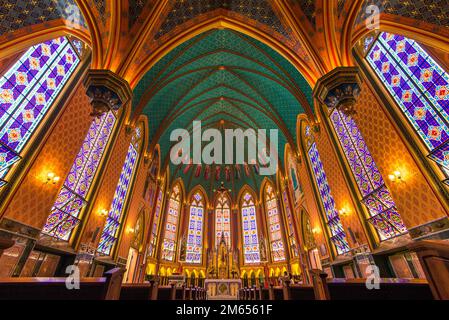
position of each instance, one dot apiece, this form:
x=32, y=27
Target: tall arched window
x=65, y=214
x=337, y=233
x=171, y=225
x=290, y=227
x=195, y=229
x=27, y=91
x=293, y=179
x=274, y=224
x=115, y=217
x=249, y=226
x=376, y=196
x=223, y=220
x=156, y=221
x=420, y=87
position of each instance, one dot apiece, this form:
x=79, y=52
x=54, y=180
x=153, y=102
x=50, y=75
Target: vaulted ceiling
x=226, y=80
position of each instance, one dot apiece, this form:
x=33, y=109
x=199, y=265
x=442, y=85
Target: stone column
x=107, y=91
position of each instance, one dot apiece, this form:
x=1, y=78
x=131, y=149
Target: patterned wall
x=432, y=11
x=33, y=200
x=415, y=200
x=16, y=14
x=259, y=10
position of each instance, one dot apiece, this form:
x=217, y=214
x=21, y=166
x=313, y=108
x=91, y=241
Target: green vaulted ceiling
x=219, y=77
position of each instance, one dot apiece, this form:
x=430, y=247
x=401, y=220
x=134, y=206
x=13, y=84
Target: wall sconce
x=395, y=176
x=103, y=213
x=344, y=212
x=52, y=178
x=316, y=230
x=130, y=230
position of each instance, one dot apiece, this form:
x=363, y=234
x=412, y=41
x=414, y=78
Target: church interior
x=91, y=92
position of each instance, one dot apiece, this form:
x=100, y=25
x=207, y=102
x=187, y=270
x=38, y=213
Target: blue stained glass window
x=419, y=86
x=376, y=195
x=171, y=224
x=115, y=216
x=195, y=230
x=338, y=235
x=27, y=91
x=250, y=233
x=65, y=214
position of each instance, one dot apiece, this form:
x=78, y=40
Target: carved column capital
x=107, y=91
x=340, y=88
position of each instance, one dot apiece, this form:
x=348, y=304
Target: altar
x=222, y=289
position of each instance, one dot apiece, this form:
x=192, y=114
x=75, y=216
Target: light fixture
x=103, y=213
x=344, y=212
x=52, y=178
x=130, y=230
x=316, y=230
x=395, y=176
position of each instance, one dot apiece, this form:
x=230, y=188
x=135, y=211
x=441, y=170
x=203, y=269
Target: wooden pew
x=356, y=289
x=105, y=288
x=264, y=294
x=164, y=293
x=136, y=292
x=390, y=289
x=434, y=258
x=299, y=292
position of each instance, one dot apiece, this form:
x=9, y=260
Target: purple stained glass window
x=376, y=196
x=65, y=214
x=113, y=221
x=419, y=86
x=154, y=229
x=195, y=230
x=338, y=235
x=171, y=227
x=27, y=91
x=274, y=225
x=250, y=233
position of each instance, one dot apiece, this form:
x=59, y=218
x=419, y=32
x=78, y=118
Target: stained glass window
x=156, y=221
x=274, y=225
x=27, y=91
x=376, y=196
x=419, y=86
x=195, y=230
x=223, y=221
x=65, y=214
x=294, y=181
x=115, y=216
x=171, y=226
x=290, y=228
x=250, y=234
x=338, y=235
